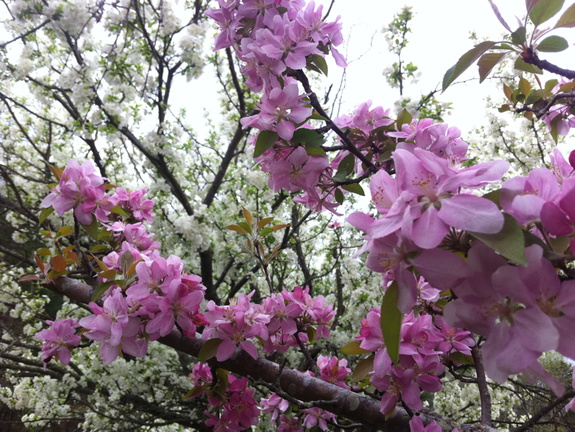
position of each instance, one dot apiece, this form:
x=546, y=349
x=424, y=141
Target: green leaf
x=119, y=210
x=391, y=319
x=567, y=20
x=460, y=358
x=311, y=333
x=487, y=62
x=362, y=369
x=340, y=176
x=530, y=3
x=353, y=348
x=347, y=164
x=404, y=117
x=64, y=231
x=493, y=196
x=92, y=229
x=315, y=151
x=308, y=137
x=524, y=86
x=247, y=227
x=262, y=223
x=44, y=214
x=535, y=96
x=196, y=391
x=509, y=242
x=553, y=44
x=519, y=36
x=464, y=62
x=266, y=140
x=338, y=195
x=209, y=349
x=508, y=92
x=544, y=10
x=320, y=62
x=316, y=116
x=100, y=290
x=525, y=67
x=550, y=85
x=354, y=188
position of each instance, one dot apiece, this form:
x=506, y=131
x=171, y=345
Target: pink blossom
x=274, y=405
x=416, y=425
x=59, y=339
x=317, y=417
x=281, y=110
x=297, y=171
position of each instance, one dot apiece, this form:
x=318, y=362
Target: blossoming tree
x=476, y=272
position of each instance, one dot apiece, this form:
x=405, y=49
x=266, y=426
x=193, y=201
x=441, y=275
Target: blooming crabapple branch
x=303, y=387
x=301, y=77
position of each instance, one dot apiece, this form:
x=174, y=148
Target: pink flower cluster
x=278, y=323
x=153, y=303
x=59, y=339
x=81, y=189
x=425, y=342
x=522, y=310
x=418, y=208
x=236, y=409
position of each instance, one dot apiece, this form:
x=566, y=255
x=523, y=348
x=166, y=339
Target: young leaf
x=499, y=17
x=464, y=62
x=553, y=44
x=524, y=86
x=119, y=211
x=308, y=137
x=209, y=349
x=56, y=171
x=508, y=92
x=519, y=36
x=362, y=368
x=529, y=4
x=237, y=229
x=354, y=188
x=100, y=290
x=264, y=222
x=509, y=242
x=266, y=140
x=347, y=164
x=567, y=20
x=44, y=213
x=390, y=322
x=58, y=263
x=544, y=10
x=28, y=278
x=353, y=348
x=44, y=252
x=487, y=62
x=404, y=117
x=339, y=198
x=248, y=216
x=525, y=67
x=65, y=231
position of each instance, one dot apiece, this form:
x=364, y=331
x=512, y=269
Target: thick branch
x=531, y=57
x=484, y=394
